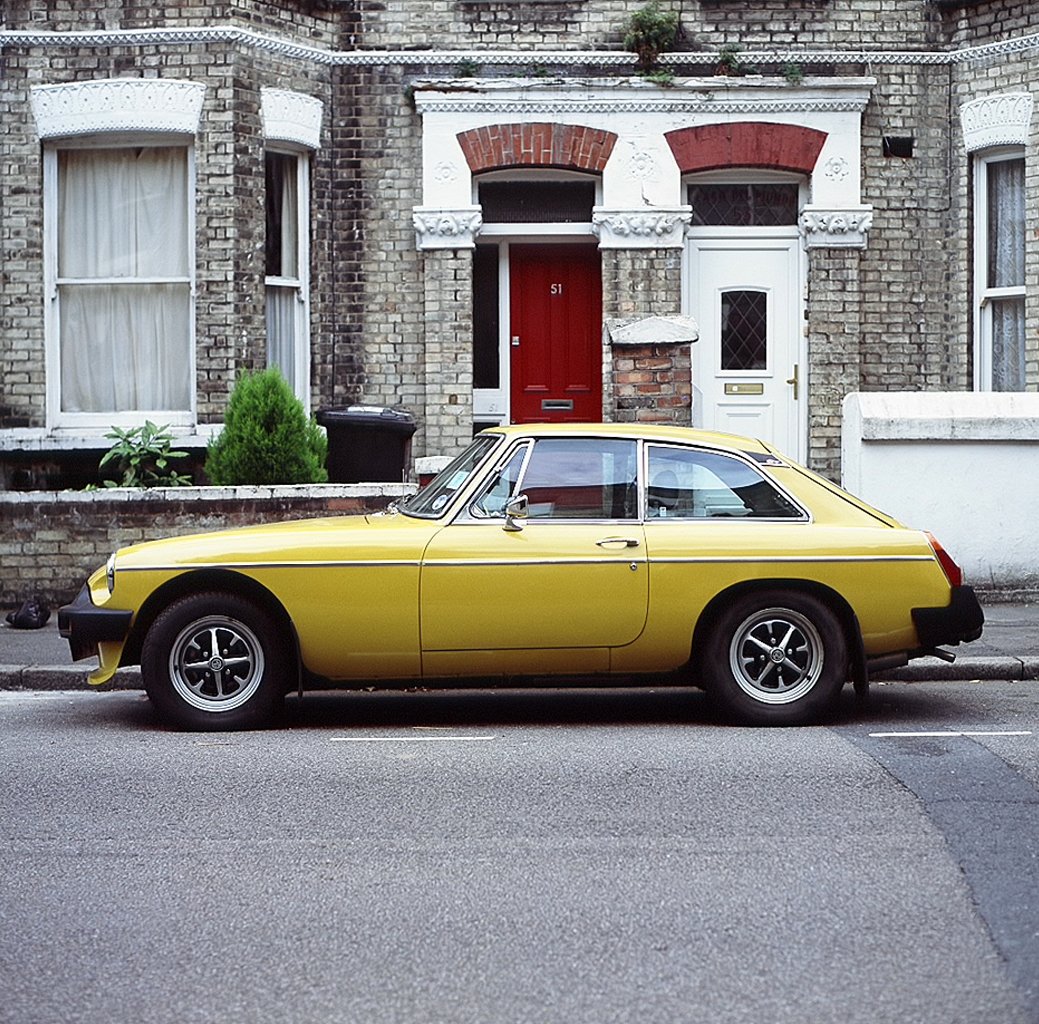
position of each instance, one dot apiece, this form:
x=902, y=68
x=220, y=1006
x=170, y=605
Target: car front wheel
x=215, y=661
x=776, y=658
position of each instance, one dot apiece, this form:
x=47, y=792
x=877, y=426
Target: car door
x=568, y=581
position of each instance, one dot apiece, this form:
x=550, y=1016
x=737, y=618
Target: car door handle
x=627, y=542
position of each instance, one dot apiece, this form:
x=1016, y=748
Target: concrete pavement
x=38, y=659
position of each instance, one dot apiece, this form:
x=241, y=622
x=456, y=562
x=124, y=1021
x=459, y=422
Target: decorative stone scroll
x=653, y=227
x=1003, y=119
x=446, y=229
x=117, y=105
x=836, y=229
x=291, y=117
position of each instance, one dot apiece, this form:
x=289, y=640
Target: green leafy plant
x=793, y=73
x=662, y=76
x=141, y=456
x=467, y=68
x=651, y=32
x=729, y=62
x=267, y=437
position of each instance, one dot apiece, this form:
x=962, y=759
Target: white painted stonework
x=963, y=465
x=643, y=201
x=656, y=228
x=651, y=330
x=836, y=229
x=291, y=117
x=437, y=228
x=1000, y=119
x=117, y=104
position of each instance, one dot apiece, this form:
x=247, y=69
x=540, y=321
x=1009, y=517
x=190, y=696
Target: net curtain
x=123, y=279
x=1006, y=269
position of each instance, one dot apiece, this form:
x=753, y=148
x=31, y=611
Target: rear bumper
x=960, y=621
x=85, y=626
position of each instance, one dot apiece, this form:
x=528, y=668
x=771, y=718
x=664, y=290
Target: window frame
x=57, y=420
x=983, y=295
x=300, y=382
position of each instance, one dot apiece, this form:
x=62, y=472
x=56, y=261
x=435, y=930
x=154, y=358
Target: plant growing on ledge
x=267, y=437
x=141, y=456
x=651, y=32
x=729, y=62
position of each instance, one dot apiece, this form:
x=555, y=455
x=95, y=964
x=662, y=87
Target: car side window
x=502, y=485
x=568, y=478
x=696, y=484
x=581, y=478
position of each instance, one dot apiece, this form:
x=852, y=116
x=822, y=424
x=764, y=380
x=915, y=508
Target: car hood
x=332, y=538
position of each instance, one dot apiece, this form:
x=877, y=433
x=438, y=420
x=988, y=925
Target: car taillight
x=952, y=571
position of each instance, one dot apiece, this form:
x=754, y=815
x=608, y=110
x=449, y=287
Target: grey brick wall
x=51, y=542
x=391, y=325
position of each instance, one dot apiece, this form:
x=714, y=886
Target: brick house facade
x=440, y=204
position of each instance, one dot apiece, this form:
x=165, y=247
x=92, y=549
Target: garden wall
x=964, y=466
x=50, y=541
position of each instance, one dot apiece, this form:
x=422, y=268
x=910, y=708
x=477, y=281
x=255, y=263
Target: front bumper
x=959, y=622
x=85, y=625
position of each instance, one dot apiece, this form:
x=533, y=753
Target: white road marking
x=926, y=735
x=412, y=739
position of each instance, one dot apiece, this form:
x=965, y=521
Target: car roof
x=649, y=431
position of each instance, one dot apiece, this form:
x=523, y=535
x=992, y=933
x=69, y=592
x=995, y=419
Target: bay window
x=121, y=267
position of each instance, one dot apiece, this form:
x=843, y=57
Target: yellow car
x=576, y=550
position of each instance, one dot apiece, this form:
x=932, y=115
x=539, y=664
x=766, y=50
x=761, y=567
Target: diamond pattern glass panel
x=744, y=205
x=744, y=330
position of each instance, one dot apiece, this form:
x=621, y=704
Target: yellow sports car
x=558, y=551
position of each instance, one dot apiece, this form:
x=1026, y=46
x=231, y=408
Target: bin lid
x=378, y=416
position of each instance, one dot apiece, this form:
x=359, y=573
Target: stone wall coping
x=30, y=439
x=133, y=495
x=943, y=416
x=652, y=330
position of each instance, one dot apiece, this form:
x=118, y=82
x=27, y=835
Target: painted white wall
x=963, y=465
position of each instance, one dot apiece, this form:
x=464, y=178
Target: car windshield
x=437, y=494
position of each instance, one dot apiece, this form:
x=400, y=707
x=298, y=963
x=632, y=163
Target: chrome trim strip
x=788, y=559
x=624, y=558
x=358, y=564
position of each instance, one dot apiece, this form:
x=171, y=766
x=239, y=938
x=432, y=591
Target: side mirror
x=515, y=508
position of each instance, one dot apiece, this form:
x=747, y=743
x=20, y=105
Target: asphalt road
x=517, y=857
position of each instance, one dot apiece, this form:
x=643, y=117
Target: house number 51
x=555, y=289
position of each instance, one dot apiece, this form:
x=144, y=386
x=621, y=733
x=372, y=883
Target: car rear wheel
x=776, y=658
x=215, y=661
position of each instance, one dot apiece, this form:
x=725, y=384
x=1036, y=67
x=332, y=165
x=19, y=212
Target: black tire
x=214, y=661
x=775, y=658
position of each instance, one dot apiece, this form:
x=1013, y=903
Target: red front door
x=555, y=333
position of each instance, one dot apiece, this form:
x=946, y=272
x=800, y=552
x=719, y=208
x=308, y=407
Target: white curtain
x=281, y=331
x=1008, y=344
x=125, y=344
x=1006, y=223
x=1006, y=269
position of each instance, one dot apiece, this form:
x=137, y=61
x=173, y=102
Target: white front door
x=749, y=372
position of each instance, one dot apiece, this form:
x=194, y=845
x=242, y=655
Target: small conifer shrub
x=267, y=437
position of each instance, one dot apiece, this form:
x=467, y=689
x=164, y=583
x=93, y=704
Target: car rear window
x=699, y=484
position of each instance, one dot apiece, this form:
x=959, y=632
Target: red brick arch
x=781, y=147
x=570, y=146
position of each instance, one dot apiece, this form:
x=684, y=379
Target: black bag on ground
x=32, y=615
